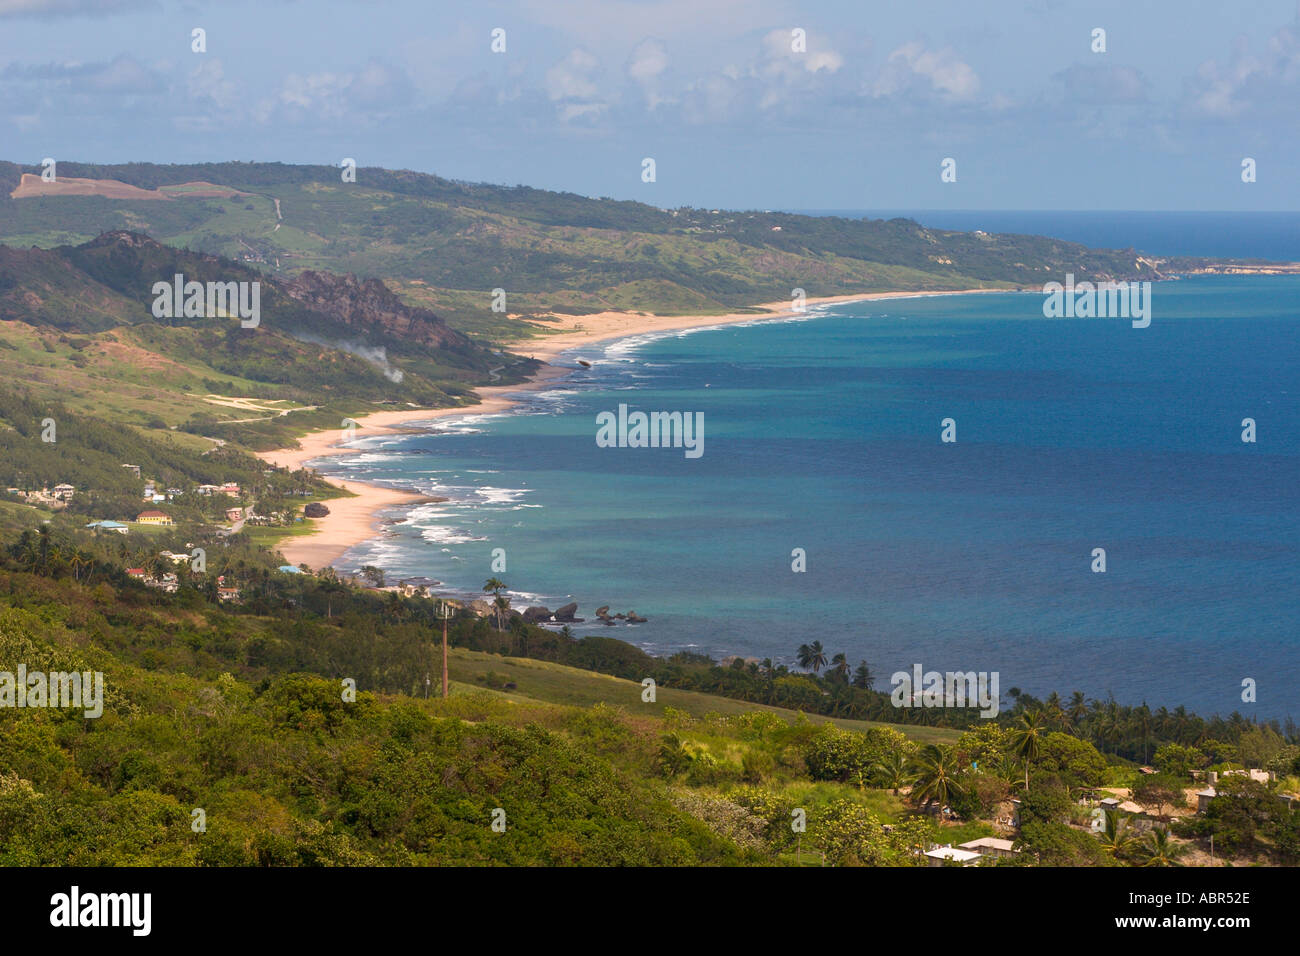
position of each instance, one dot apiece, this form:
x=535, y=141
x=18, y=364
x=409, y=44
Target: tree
x=1075, y=761
x=1115, y=834
x=839, y=668
x=893, y=771
x=1241, y=808
x=674, y=758
x=1177, y=760
x=1077, y=709
x=850, y=835
x=1026, y=740
x=496, y=586
x=936, y=777
x=812, y=656
x=1158, y=790
x=374, y=575
x=1159, y=849
x=501, y=604
x=862, y=677
x=330, y=585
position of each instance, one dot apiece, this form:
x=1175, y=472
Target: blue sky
x=711, y=89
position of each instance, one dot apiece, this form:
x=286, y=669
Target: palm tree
x=1026, y=740
x=496, y=586
x=936, y=776
x=812, y=656
x=1055, y=711
x=1115, y=833
x=893, y=771
x=330, y=585
x=1076, y=710
x=78, y=561
x=840, y=668
x=502, y=606
x=1160, y=850
x=674, y=758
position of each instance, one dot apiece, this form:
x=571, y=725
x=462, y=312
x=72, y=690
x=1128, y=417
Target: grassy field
x=557, y=684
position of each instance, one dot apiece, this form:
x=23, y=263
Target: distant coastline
x=353, y=520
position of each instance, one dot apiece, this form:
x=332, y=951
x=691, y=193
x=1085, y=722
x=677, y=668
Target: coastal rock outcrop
x=631, y=617
x=536, y=614
x=567, y=613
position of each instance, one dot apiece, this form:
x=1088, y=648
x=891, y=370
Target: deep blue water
x=1238, y=235
x=824, y=434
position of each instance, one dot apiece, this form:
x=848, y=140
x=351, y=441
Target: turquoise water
x=824, y=434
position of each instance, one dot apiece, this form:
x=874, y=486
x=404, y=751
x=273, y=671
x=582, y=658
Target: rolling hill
x=446, y=245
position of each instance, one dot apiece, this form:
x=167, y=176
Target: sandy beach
x=357, y=519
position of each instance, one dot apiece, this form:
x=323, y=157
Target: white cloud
x=572, y=85
x=1247, y=82
x=371, y=92
x=649, y=59
x=912, y=67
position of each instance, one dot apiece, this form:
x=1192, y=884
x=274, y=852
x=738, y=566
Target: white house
x=941, y=855
x=990, y=846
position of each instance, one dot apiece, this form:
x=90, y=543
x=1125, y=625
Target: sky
x=721, y=94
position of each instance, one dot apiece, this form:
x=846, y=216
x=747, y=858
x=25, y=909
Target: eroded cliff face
x=368, y=305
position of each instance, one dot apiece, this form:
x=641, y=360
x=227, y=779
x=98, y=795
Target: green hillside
x=447, y=244
x=77, y=327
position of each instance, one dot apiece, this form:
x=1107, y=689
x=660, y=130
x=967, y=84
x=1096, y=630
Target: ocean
x=823, y=433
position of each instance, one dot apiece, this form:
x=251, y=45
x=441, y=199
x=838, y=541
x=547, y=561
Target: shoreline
x=353, y=520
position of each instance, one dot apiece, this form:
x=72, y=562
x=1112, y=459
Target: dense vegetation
x=88, y=453
x=240, y=711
